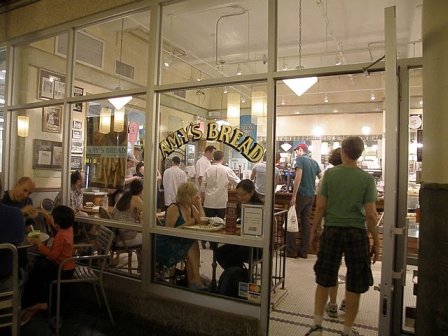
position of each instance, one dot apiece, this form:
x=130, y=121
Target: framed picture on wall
x=47, y=154
x=52, y=119
x=51, y=85
x=77, y=147
x=76, y=162
x=77, y=124
x=77, y=91
x=76, y=134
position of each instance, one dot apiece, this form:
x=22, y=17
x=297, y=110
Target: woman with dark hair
x=129, y=209
x=229, y=255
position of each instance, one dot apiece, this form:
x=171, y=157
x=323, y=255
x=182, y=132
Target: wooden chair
x=9, y=299
x=85, y=273
x=120, y=246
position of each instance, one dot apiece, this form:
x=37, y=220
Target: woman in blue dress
x=170, y=250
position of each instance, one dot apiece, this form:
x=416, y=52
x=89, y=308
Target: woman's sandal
x=29, y=312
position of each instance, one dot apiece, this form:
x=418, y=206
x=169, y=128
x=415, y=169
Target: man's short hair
x=353, y=146
x=176, y=160
x=218, y=155
x=210, y=148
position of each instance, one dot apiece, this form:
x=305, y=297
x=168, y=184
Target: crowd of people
x=345, y=215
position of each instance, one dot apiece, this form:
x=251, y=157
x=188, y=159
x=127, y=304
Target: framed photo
x=77, y=91
x=77, y=147
x=51, y=85
x=52, y=119
x=76, y=162
x=76, y=134
x=77, y=124
x=47, y=154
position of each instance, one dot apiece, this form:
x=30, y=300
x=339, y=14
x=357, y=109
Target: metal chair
x=47, y=204
x=122, y=246
x=9, y=299
x=84, y=272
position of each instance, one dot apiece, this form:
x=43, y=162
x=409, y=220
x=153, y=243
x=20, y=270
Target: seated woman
x=45, y=270
x=229, y=255
x=170, y=250
x=75, y=194
x=129, y=209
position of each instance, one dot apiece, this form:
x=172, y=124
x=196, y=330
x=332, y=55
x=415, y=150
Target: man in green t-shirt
x=347, y=202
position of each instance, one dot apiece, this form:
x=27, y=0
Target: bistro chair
x=47, y=204
x=84, y=271
x=9, y=299
x=122, y=246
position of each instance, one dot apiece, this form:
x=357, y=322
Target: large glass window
x=39, y=73
x=216, y=39
x=112, y=55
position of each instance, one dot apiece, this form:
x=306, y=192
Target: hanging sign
x=231, y=136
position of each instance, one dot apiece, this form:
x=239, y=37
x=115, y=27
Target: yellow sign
x=231, y=136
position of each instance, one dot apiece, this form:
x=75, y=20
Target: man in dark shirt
x=19, y=197
x=12, y=230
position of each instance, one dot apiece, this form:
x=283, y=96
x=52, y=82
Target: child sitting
x=45, y=269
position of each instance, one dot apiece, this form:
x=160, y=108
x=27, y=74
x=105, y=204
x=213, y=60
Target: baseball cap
x=303, y=146
x=131, y=157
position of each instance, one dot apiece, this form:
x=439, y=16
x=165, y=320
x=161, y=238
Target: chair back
x=104, y=240
x=104, y=213
x=47, y=204
x=9, y=298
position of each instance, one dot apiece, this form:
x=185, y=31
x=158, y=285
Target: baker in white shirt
x=202, y=165
x=216, y=184
x=173, y=177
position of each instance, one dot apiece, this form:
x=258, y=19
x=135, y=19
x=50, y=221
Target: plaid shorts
x=354, y=244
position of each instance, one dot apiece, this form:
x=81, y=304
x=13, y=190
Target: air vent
x=89, y=50
x=124, y=69
x=181, y=93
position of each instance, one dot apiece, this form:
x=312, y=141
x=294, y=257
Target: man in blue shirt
x=303, y=193
x=12, y=230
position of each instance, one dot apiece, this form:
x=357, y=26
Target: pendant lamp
x=23, y=125
x=105, y=116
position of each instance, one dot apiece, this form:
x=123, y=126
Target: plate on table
x=209, y=228
x=42, y=235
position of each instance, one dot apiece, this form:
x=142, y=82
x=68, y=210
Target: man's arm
x=252, y=175
x=372, y=219
x=321, y=206
x=297, y=180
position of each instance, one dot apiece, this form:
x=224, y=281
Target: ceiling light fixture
x=325, y=99
x=105, y=116
x=119, y=120
x=238, y=71
x=365, y=130
x=119, y=102
x=286, y=146
x=300, y=85
x=259, y=104
x=283, y=101
x=372, y=96
x=225, y=89
x=233, y=105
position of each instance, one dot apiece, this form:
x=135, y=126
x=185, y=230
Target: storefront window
x=40, y=74
x=203, y=40
x=2, y=99
x=219, y=127
x=112, y=56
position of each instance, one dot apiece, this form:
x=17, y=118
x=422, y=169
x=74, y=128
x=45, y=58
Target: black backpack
x=229, y=280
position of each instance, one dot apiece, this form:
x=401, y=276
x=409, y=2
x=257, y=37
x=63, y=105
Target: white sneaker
x=332, y=310
x=342, y=306
x=315, y=330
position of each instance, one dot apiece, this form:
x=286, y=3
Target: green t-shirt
x=347, y=190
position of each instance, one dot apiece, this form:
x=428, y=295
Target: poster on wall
x=47, y=154
x=77, y=92
x=52, y=119
x=51, y=85
x=77, y=147
x=76, y=162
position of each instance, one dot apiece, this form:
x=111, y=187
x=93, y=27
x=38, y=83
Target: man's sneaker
x=353, y=333
x=332, y=310
x=315, y=330
x=342, y=306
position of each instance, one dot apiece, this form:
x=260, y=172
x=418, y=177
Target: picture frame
x=52, y=119
x=77, y=92
x=77, y=124
x=47, y=154
x=76, y=134
x=51, y=85
x=252, y=220
x=76, y=162
x=77, y=147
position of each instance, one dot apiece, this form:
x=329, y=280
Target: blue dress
x=170, y=250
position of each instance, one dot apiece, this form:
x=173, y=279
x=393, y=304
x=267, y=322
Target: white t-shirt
x=260, y=176
x=173, y=177
x=216, y=183
x=201, y=166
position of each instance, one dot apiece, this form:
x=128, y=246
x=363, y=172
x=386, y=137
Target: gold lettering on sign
x=226, y=134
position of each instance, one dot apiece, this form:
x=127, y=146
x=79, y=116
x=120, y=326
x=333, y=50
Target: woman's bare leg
x=193, y=258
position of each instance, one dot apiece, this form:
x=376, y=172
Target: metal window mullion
x=8, y=177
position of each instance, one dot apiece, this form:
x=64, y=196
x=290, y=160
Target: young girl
x=45, y=269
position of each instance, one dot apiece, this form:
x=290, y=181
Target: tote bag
x=292, y=225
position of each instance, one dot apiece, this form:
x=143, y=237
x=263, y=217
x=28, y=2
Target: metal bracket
x=397, y=275
x=398, y=231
